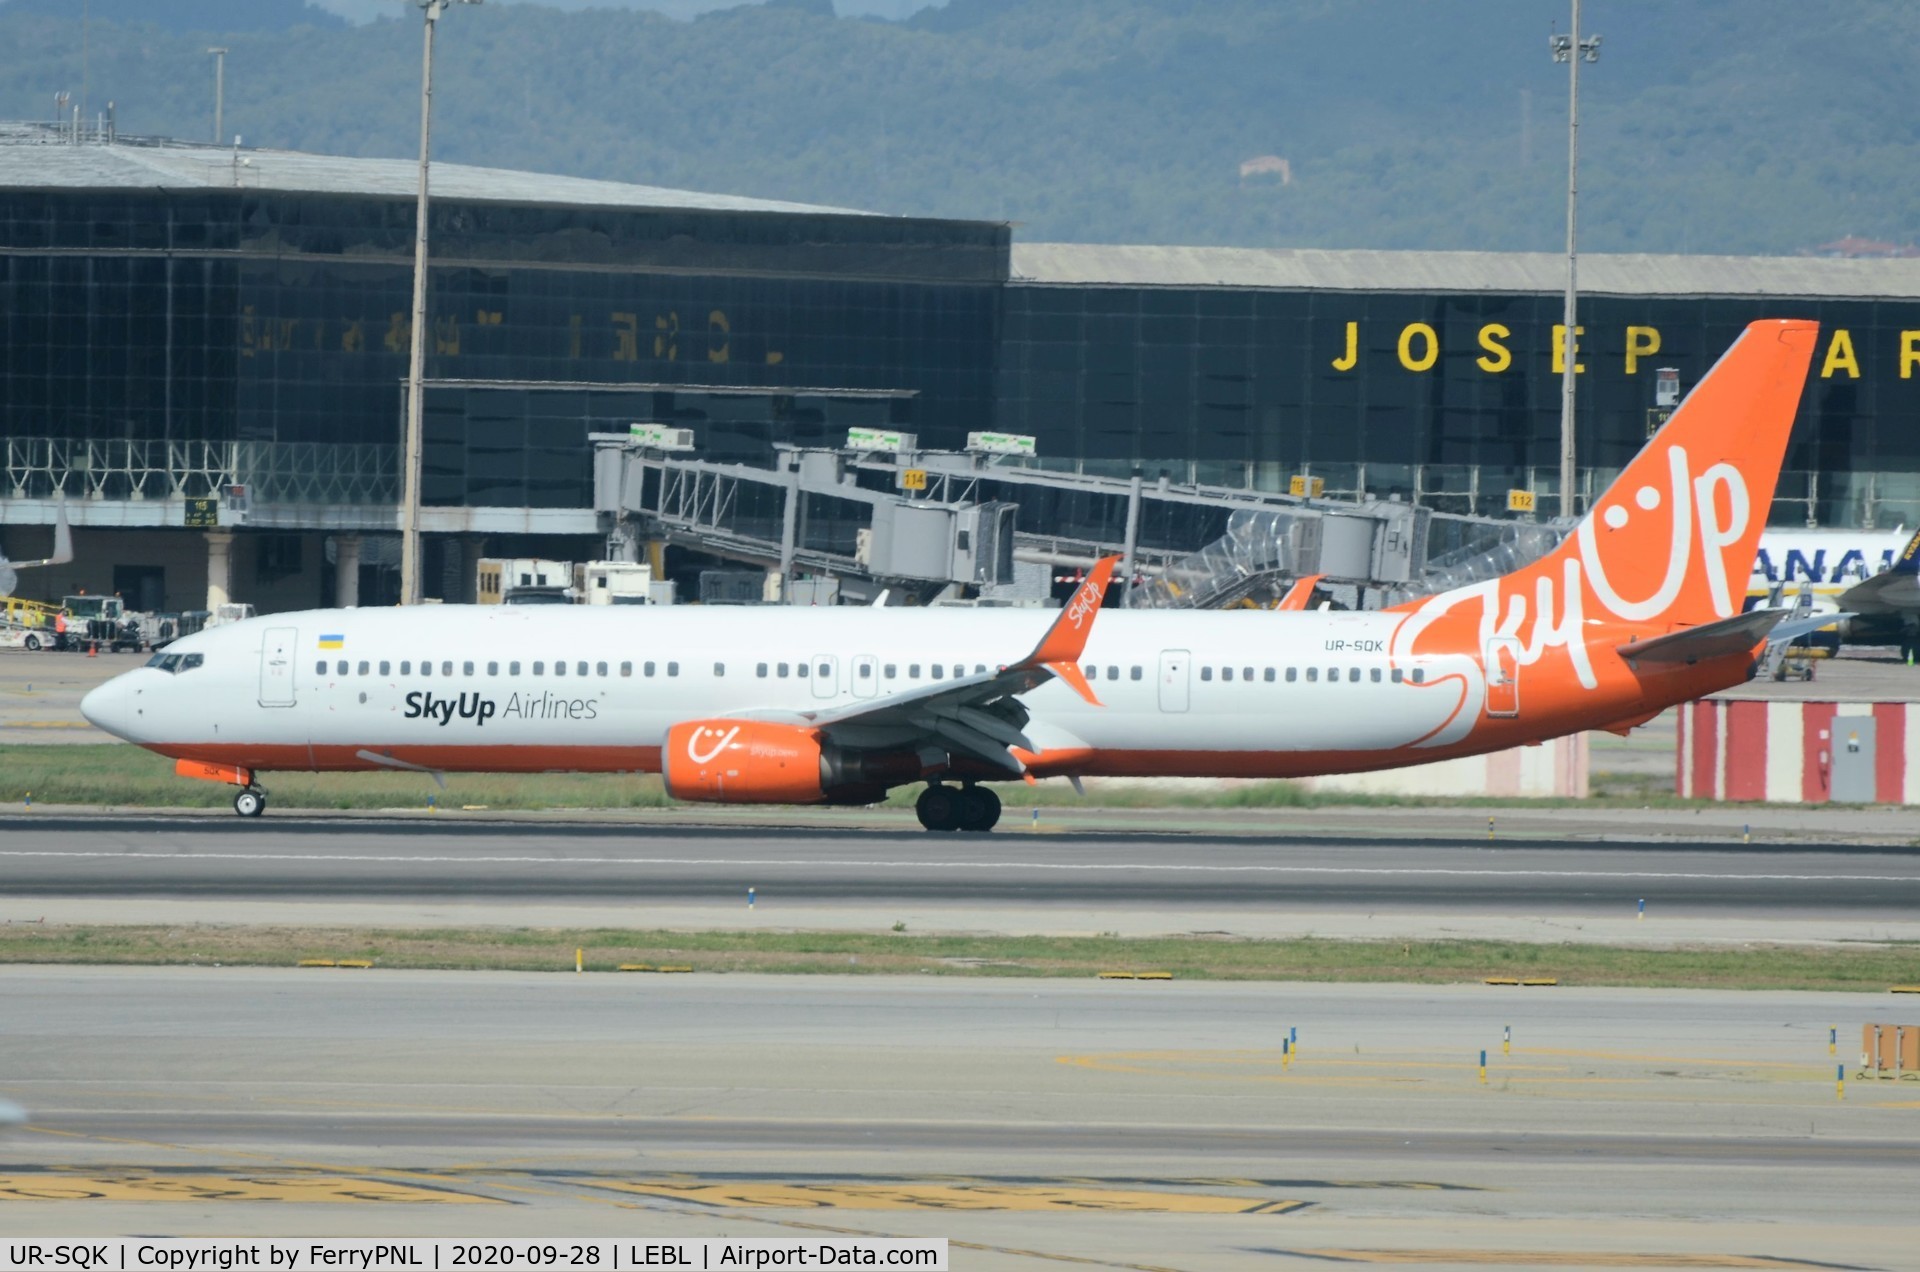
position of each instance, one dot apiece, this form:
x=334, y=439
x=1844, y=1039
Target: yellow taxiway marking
x=156, y=1186
x=835, y=1196
x=1559, y=1259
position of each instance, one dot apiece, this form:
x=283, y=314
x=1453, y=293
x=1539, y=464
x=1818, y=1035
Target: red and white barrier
x=1785, y=752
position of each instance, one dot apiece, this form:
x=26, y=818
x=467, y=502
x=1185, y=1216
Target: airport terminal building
x=183, y=320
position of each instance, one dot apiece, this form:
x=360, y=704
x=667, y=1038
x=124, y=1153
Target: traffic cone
x=93, y=649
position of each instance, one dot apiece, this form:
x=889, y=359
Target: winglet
x=1301, y=593
x=1059, y=650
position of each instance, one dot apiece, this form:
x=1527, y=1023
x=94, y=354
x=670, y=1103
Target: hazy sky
x=367, y=10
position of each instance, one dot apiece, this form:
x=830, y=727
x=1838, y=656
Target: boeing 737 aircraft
x=1638, y=609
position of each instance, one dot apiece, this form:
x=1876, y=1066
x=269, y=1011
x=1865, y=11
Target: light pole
x=219, y=91
x=1572, y=50
x=417, y=354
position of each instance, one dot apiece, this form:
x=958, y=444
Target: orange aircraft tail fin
x=1672, y=540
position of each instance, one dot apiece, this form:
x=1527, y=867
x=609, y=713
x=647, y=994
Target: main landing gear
x=968, y=807
x=250, y=802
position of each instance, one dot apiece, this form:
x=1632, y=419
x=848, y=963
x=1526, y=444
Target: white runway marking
x=766, y=863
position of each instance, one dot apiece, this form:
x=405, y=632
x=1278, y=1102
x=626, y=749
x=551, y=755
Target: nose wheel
x=971, y=808
x=250, y=802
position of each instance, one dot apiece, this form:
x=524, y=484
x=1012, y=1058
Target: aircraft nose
x=109, y=707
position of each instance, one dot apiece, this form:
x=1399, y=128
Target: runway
x=372, y=870
x=1110, y=1125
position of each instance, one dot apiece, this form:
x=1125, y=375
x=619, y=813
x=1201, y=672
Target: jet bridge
x=929, y=523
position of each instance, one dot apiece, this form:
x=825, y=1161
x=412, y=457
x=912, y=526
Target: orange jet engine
x=742, y=762
x=759, y=762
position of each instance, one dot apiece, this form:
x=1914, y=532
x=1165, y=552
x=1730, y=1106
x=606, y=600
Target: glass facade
x=251, y=316
x=259, y=317
x=1454, y=399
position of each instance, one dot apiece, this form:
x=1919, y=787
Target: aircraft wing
x=1894, y=589
x=979, y=716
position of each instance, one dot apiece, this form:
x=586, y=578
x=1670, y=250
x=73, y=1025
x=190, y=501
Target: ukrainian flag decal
x=333, y=642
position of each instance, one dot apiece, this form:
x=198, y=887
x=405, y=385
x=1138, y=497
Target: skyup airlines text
x=426, y=705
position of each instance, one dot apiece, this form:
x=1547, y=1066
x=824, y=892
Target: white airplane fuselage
x=455, y=688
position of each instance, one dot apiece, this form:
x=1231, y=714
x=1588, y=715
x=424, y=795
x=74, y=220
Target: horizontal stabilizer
x=1736, y=635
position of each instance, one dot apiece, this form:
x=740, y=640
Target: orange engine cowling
x=743, y=762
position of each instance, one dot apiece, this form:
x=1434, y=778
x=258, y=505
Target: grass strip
x=1867, y=968
x=120, y=775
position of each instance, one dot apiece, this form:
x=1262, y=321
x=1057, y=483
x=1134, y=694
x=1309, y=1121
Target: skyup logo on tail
x=1661, y=550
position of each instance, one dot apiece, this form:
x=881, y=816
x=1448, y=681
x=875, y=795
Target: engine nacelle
x=743, y=762
x=756, y=762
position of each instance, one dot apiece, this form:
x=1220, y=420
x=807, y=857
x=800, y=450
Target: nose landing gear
x=969, y=807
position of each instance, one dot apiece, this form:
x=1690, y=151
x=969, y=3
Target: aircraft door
x=865, y=671
x=1174, y=667
x=826, y=675
x=1503, y=677
x=276, y=666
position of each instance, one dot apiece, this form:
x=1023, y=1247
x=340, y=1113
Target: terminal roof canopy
x=1430, y=273
x=32, y=159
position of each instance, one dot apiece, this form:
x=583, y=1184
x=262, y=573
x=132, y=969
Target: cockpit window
x=173, y=664
x=189, y=661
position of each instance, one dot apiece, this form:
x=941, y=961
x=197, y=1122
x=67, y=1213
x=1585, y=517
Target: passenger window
x=959, y=670
x=600, y=669
x=1137, y=673
x=673, y=669
x=1333, y=674
x=340, y=669
x=1419, y=675
x=826, y=669
x=646, y=669
x=1226, y=673
x=913, y=671
x=891, y=671
x=493, y=669
x=719, y=669
x=800, y=670
x=446, y=668
x=1353, y=675
x=363, y=669
x=559, y=667
x=1246, y=673
x=406, y=667
x=1293, y=674
x=626, y=669
x=513, y=669
x=760, y=670
x=1398, y=675
x=1092, y=672
x=780, y=670
x=1269, y=675
x=540, y=669
x=936, y=671
x=386, y=668
x=321, y=667
x=1376, y=675
x=1313, y=675
x=466, y=669
x=190, y=661
x=1206, y=673
x=864, y=671
x=580, y=669
x=979, y=669
x=1113, y=673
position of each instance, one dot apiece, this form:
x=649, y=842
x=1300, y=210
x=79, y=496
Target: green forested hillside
x=1714, y=126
